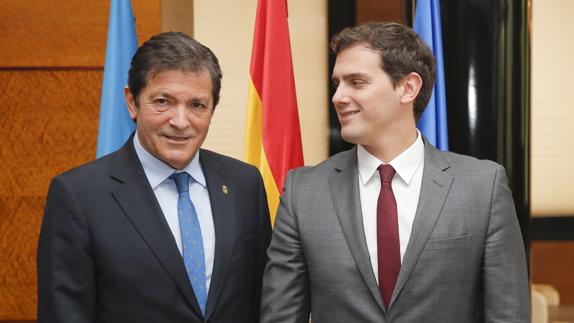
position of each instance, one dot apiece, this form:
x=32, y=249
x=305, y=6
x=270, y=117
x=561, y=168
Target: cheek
x=365, y=99
x=154, y=122
x=201, y=124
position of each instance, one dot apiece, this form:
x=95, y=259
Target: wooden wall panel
x=19, y=222
x=377, y=10
x=51, y=61
x=48, y=124
x=64, y=33
x=148, y=18
x=552, y=262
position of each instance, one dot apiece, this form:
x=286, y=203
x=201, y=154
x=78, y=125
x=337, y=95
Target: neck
x=392, y=143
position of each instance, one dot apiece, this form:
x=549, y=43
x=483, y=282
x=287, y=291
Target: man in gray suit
x=393, y=230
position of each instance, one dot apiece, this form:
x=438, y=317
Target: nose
x=179, y=118
x=340, y=97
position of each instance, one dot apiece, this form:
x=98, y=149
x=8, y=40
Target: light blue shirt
x=157, y=173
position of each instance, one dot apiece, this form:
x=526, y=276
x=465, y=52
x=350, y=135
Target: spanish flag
x=273, y=136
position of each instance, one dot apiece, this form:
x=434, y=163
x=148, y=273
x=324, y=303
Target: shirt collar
x=405, y=164
x=157, y=171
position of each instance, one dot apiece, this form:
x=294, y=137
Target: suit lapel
x=136, y=198
x=435, y=186
x=344, y=187
x=222, y=199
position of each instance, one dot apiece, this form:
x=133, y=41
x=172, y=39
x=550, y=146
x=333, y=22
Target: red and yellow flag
x=273, y=136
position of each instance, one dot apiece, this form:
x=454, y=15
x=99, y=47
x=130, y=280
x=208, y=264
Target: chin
x=178, y=164
x=179, y=161
x=349, y=137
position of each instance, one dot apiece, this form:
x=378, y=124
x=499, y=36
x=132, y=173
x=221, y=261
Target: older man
x=161, y=230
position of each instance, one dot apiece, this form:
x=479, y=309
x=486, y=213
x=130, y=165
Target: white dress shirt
x=406, y=188
x=157, y=173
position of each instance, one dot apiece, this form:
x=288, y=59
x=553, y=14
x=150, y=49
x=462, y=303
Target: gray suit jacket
x=464, y=262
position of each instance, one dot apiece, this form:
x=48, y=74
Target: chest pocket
x=450, y=243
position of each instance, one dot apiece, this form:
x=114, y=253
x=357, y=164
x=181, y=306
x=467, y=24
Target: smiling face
x=367, y=104
x=173, y=116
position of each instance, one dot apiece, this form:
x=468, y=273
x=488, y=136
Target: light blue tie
x=193, y=254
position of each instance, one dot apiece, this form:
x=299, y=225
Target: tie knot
x=386, y=172
x=181, y=181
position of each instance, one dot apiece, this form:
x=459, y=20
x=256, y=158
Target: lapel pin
x=224, y=189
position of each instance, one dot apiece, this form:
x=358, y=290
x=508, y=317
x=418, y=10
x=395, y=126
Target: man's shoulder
x=92, y=171
x=467, y=165
x=331, y=165
x=225, y=162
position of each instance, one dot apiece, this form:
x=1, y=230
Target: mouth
x=345, y=115
x=178, y=139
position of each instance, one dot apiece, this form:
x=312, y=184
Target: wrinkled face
x=365, y=100
x=173, y=116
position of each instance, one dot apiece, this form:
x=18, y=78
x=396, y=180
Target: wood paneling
x=377, y=10
x=48, y=124
x=64, y=33
x=51, y=62
x=552, y=262
x=19, y=222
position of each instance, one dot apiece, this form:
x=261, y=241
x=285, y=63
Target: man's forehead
x=176, y=82
x=154, y=73
x=357, y=55
x=359, y=47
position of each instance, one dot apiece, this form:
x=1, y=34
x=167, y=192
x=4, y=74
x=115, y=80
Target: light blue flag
x=115, y=124
x=433, y=123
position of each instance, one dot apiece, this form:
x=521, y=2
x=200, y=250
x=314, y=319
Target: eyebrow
x=350, y=76
x=203, y=100
x=162, y=93
x=171, y=97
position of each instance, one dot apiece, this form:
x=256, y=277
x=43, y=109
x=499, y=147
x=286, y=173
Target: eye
x=197, y=105
x=357, y=82
x=160, y=101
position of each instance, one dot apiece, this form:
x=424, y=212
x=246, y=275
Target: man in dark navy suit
x=161, y=230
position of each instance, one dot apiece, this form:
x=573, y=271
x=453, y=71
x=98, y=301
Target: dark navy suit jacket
x=106, y=253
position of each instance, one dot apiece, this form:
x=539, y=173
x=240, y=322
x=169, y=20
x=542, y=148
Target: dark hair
x=172, y=51
x=401, y=50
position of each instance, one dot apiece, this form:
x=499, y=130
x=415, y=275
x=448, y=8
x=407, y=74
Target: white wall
x=552, y=108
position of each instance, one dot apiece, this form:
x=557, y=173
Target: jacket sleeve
x=264, y=238
x=286, y=291
x=66, y=274
x=506, y=286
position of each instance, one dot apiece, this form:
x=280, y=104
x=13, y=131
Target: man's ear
x=131, y=103
x=411, y=86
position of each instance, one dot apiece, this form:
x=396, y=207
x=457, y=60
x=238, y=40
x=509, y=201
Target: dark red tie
x=388, y=245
